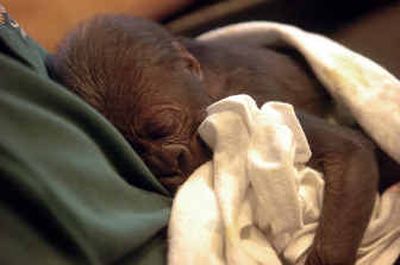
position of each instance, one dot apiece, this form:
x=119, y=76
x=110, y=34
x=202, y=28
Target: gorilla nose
x=177, y=156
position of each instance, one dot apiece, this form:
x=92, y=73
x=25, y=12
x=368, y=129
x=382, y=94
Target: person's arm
x=72, y=190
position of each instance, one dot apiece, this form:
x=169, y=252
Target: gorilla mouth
x=172, y=182
x=170, y=176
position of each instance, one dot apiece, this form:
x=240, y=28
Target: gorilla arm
x=351, y=175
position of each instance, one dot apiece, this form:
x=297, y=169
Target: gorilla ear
x=193, y=65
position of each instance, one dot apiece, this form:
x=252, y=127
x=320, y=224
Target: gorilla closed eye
x=161, y=125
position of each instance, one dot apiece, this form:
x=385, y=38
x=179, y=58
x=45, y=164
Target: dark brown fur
x=265, y=74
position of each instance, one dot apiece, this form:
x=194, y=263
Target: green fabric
x=72, y=191
x=20, y=46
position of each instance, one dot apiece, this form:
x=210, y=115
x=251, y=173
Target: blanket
x=256, y=202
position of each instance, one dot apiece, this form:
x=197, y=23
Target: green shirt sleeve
x=72, y=190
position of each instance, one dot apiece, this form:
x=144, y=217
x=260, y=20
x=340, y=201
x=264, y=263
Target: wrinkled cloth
x=256, y=202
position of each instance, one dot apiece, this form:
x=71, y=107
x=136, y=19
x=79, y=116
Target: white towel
x=256, y=202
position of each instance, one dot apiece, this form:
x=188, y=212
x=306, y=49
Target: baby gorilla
x=146, y=84
x=152, y=89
